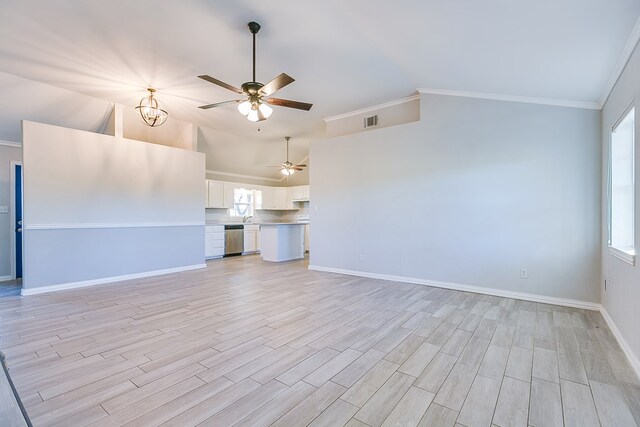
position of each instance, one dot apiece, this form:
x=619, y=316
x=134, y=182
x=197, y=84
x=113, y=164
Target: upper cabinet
x=219, y=194
x=281, y=198
x=268, y=198
x=275, y=198
x=299, y=193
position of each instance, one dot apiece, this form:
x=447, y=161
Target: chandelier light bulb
x=252, y=116
x=244, y=107
x=265, y=110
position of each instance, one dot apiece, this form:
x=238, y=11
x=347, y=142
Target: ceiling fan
x=288, y=168
x=254, y=106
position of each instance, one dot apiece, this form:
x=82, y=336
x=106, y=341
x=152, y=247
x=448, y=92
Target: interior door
x=18, y=216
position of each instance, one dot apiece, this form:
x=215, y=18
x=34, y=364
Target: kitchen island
x=281, y=241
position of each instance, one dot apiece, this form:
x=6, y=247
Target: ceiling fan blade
x=289, y=103
x=300, y=166
x=261, y=116
x=217, y=104
x=295, y=168
x=220, y=83
x=276, y=84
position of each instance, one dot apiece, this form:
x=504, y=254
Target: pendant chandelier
x=150, y=111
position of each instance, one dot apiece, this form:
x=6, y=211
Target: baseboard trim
x=465, y=288
x=111, y=225
x=5, y=278
x=104, y=280
x=633, y=360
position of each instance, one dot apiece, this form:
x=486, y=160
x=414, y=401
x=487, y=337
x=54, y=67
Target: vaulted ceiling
x=344, y=55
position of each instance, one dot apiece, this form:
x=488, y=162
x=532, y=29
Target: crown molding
x=373, y=108
x=632, y=41
x=514, y=98
x=238, y=175
x=10, y=144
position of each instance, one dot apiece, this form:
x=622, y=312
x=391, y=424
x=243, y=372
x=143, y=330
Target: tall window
x=243, y=203
x=621, y=200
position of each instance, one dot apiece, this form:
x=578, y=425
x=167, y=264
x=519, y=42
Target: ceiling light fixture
x=254, y=109
x=287, y=168
x=255, y=106
x=150, y=111
x=286, y=171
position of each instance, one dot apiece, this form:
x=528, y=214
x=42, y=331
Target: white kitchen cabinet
x=229, y=188
x=276, y=198
x=306, y=238
x=299, y=193
x=215, y=194
x=251, y=238
x=219, y=194
x=281, y=198
x=213, y=241
x=268, y=198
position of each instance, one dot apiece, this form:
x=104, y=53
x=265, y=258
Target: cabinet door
x=215, y=194
x=296, y=192
x=281, y=198
x=268, y=198
x=305, y=192
x=227, y=199
x=209, y=249
x=250, y=241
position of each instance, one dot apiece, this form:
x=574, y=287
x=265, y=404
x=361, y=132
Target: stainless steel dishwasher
x=233, y=239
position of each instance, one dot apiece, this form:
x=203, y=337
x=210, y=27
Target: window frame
x=625, y=254
x=252, y=205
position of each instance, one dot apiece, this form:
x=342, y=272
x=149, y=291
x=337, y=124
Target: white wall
x=7, y=155
x=622, y=295
x=471, y=194
x=97, y=206
x=24, y=99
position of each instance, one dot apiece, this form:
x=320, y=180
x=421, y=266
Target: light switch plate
x=4, y=209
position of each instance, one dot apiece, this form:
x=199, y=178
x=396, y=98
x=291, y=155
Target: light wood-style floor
x=250, y=343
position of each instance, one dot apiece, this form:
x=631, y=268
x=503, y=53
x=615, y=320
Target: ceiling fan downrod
x=254, y=27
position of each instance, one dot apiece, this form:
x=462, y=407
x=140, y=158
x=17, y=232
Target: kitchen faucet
x=246, y=218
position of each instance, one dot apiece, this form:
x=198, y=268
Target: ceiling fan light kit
x=255, y=106
x=150, y=110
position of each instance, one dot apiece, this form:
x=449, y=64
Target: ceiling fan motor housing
x=251, y=88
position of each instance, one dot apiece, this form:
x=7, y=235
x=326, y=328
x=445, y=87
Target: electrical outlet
x=524, y=274
x=361, y=258
x=4, y=209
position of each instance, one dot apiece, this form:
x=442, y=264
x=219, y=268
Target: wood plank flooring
x=250, y=343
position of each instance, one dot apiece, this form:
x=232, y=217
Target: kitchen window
x=622, y=188
x=244, y=201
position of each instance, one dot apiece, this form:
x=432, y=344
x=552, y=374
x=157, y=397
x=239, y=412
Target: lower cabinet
x=213, y=241
x=251, y=238
x=306, y=238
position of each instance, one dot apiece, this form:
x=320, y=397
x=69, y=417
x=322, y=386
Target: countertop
x=256, y=223
x=283, y=223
